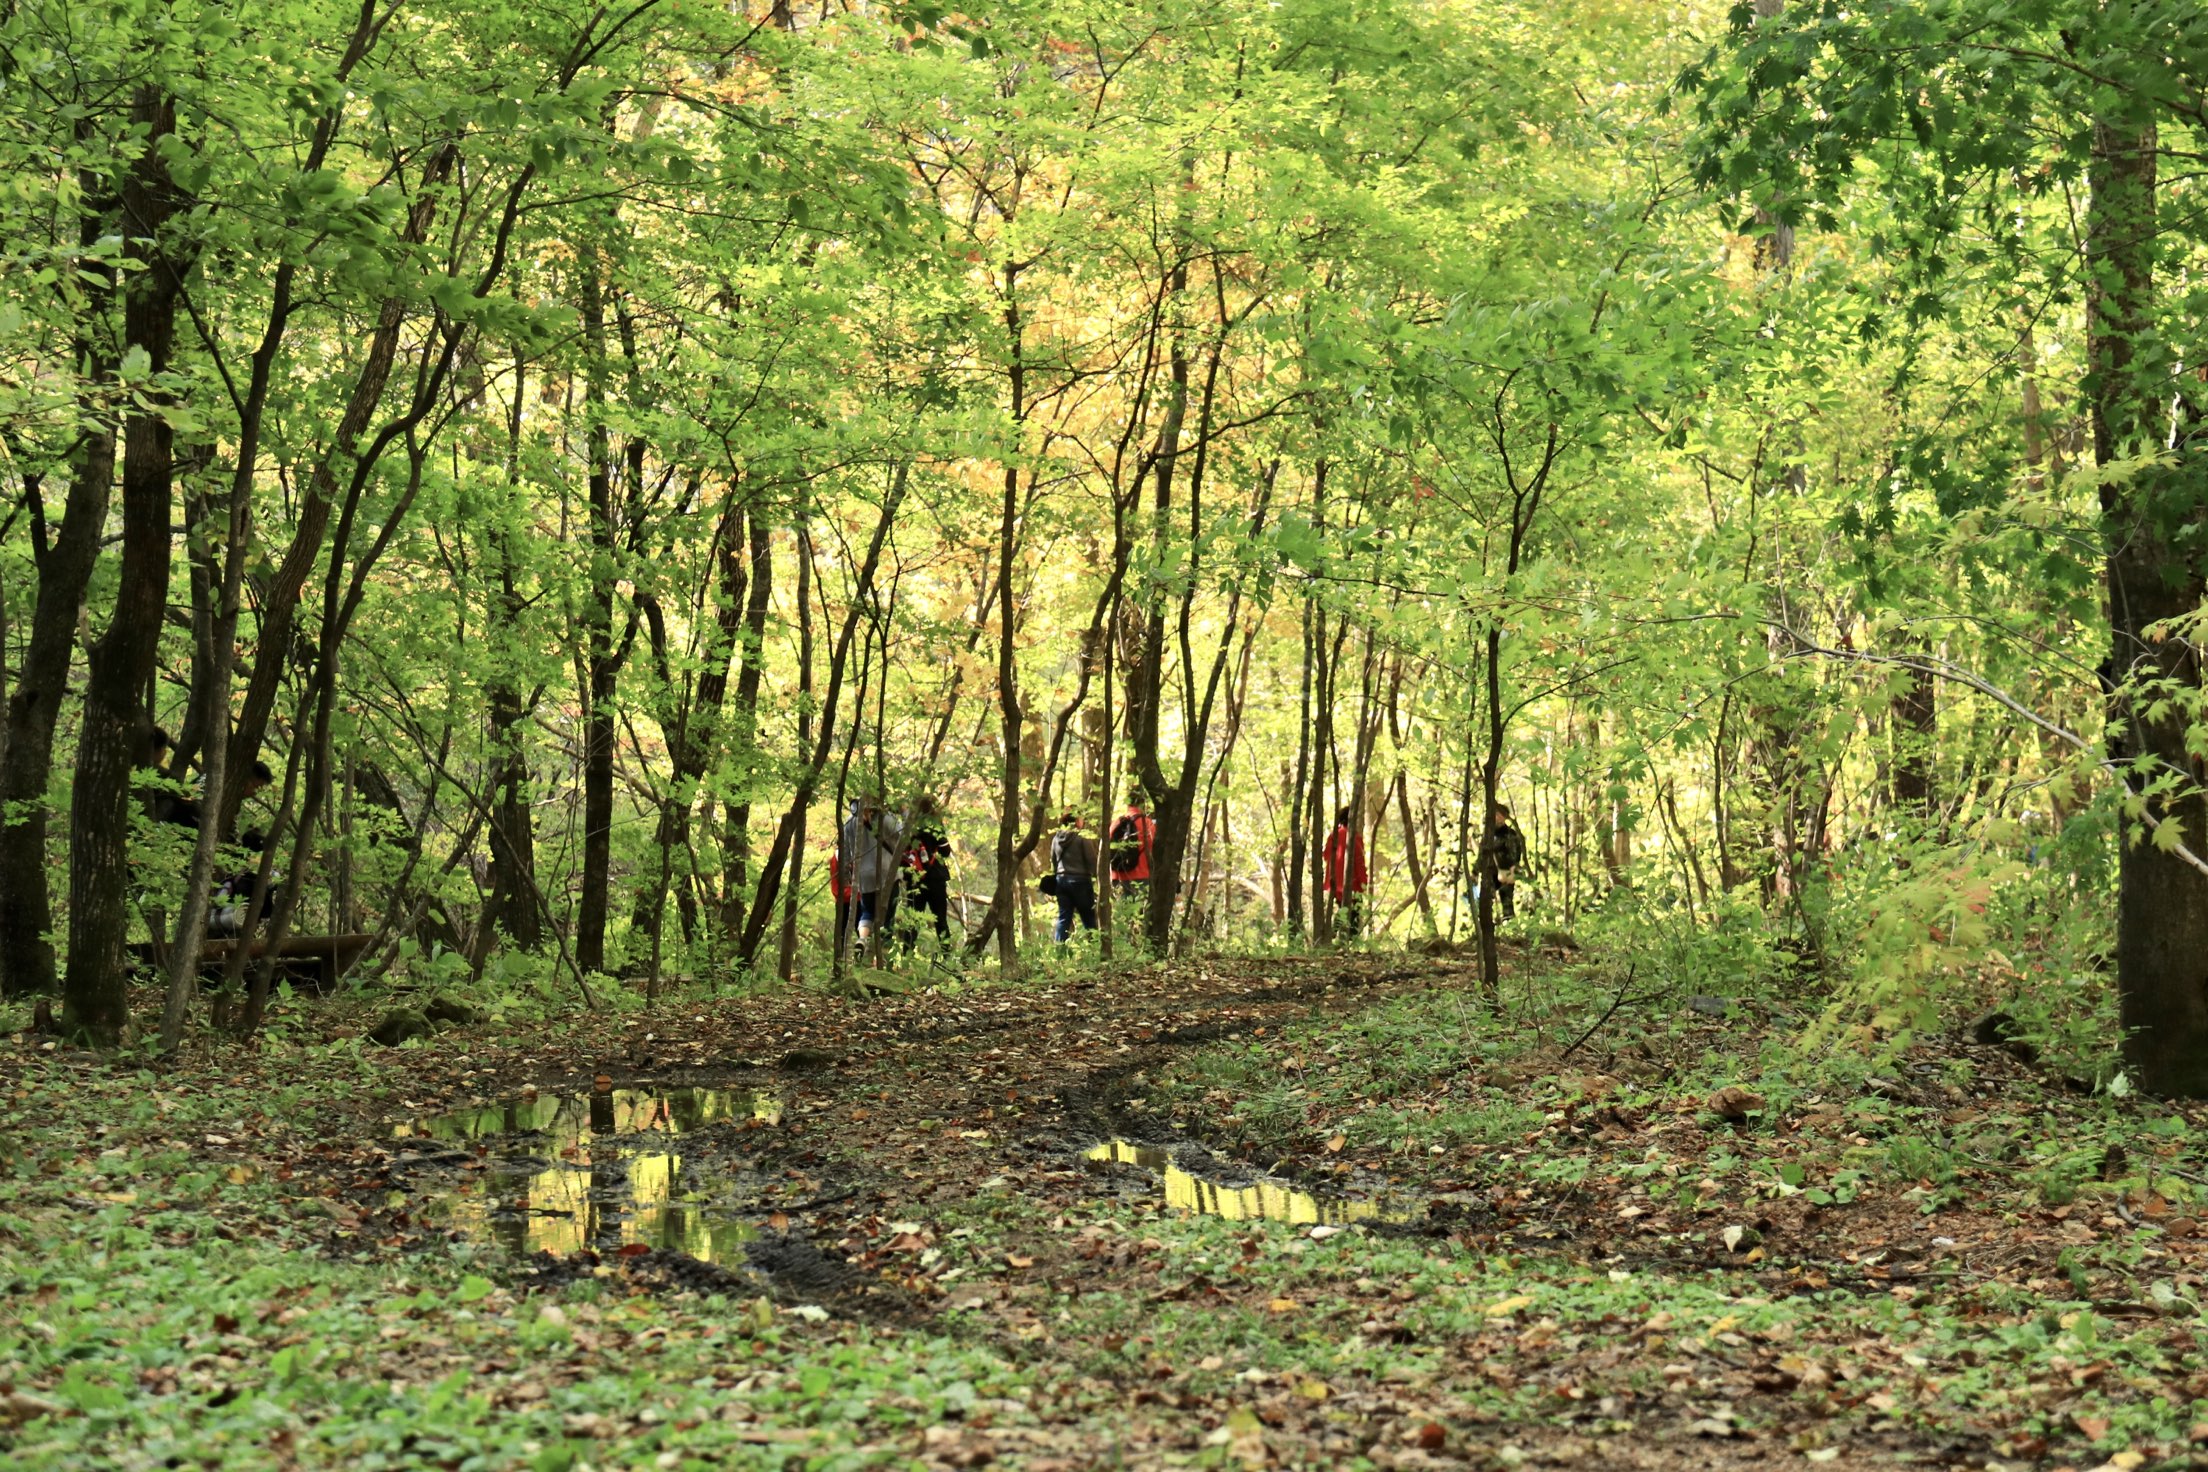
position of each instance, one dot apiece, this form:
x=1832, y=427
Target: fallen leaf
x=1735, y=1102
x=15, y=1406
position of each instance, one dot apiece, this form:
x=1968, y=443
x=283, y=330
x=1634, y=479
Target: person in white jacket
x=873, y=843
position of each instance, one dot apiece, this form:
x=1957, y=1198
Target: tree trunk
x=744, y=734
x=1298, y=779
x=1491, y=765
x=116, y=726
x=26, y=758
x=1913, y=727
x=2162, y=905
x=602, y=659
x=215, y=663
x=513, y=907
x=280, y=600
x=1008, y=667
x=786, y=965
x=808, y=782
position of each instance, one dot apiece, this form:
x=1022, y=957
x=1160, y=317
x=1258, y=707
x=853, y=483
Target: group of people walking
x=1073, y=866
x=877, y=861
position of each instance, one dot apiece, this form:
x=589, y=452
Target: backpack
x=1126, y=841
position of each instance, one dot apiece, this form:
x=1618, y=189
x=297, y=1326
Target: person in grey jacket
x=1073, y=873
x=872, y=844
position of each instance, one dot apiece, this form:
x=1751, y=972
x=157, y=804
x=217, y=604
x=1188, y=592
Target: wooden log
x=330, y=953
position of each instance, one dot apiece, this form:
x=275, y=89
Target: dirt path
x=895, y=1108
x=923, y=1173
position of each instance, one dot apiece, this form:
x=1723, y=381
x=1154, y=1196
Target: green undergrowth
x=2038, y=1242
x=1436, y=1083
x=1211, y=1308
x=159, y=1343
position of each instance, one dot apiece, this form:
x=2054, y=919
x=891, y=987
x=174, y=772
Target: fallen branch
x=1623, y=992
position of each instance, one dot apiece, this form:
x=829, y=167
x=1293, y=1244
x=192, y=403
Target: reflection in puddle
x=599, y=1171
x=1261, y=1200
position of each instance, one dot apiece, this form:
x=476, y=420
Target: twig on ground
x=1623, y=992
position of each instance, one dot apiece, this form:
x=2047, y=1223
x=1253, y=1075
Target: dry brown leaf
x=1735, y=1102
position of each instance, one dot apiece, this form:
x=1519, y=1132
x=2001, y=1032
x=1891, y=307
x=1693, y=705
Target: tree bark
x=280, y=600
x=786, y=961
x=603, y=654
x=34, y=705
x=1300, y=774
x=1913, y=727
x=2162, y=904
x=116, y=725
x=808, y=782
x=512, y=908
x=1008, y=666
x=758, y=581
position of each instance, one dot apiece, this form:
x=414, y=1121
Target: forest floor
x=1322, y=1211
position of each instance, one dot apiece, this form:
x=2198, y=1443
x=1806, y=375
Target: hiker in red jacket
x=1129, y=842
x=1346, y=879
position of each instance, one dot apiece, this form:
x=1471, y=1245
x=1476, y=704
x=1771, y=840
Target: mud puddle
x=1260, y=1199
x=620, y=1171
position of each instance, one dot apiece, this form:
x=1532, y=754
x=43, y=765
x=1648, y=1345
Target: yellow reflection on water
x=1259, y=1201
x=606, y=1186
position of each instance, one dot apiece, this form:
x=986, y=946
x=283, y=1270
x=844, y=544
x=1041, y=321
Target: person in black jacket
x=1073, y=876
x=1509, y=847
x=928, y=860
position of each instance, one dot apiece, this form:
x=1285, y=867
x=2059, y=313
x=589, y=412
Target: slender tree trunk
x=1326, y=772
x=744, y=732
x=1913, y=727
x=1491, y=766
x=787, y=961
x=1300, y=778
x=279, y=602
x=603, y=653
x=218, y=656
x=1105, y=804
x=1465, y=866
x=1008, y=665
x=34, y=706
x=755, y=925
x=512, y=909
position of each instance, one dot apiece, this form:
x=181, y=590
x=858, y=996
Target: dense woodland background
x=578, y=448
